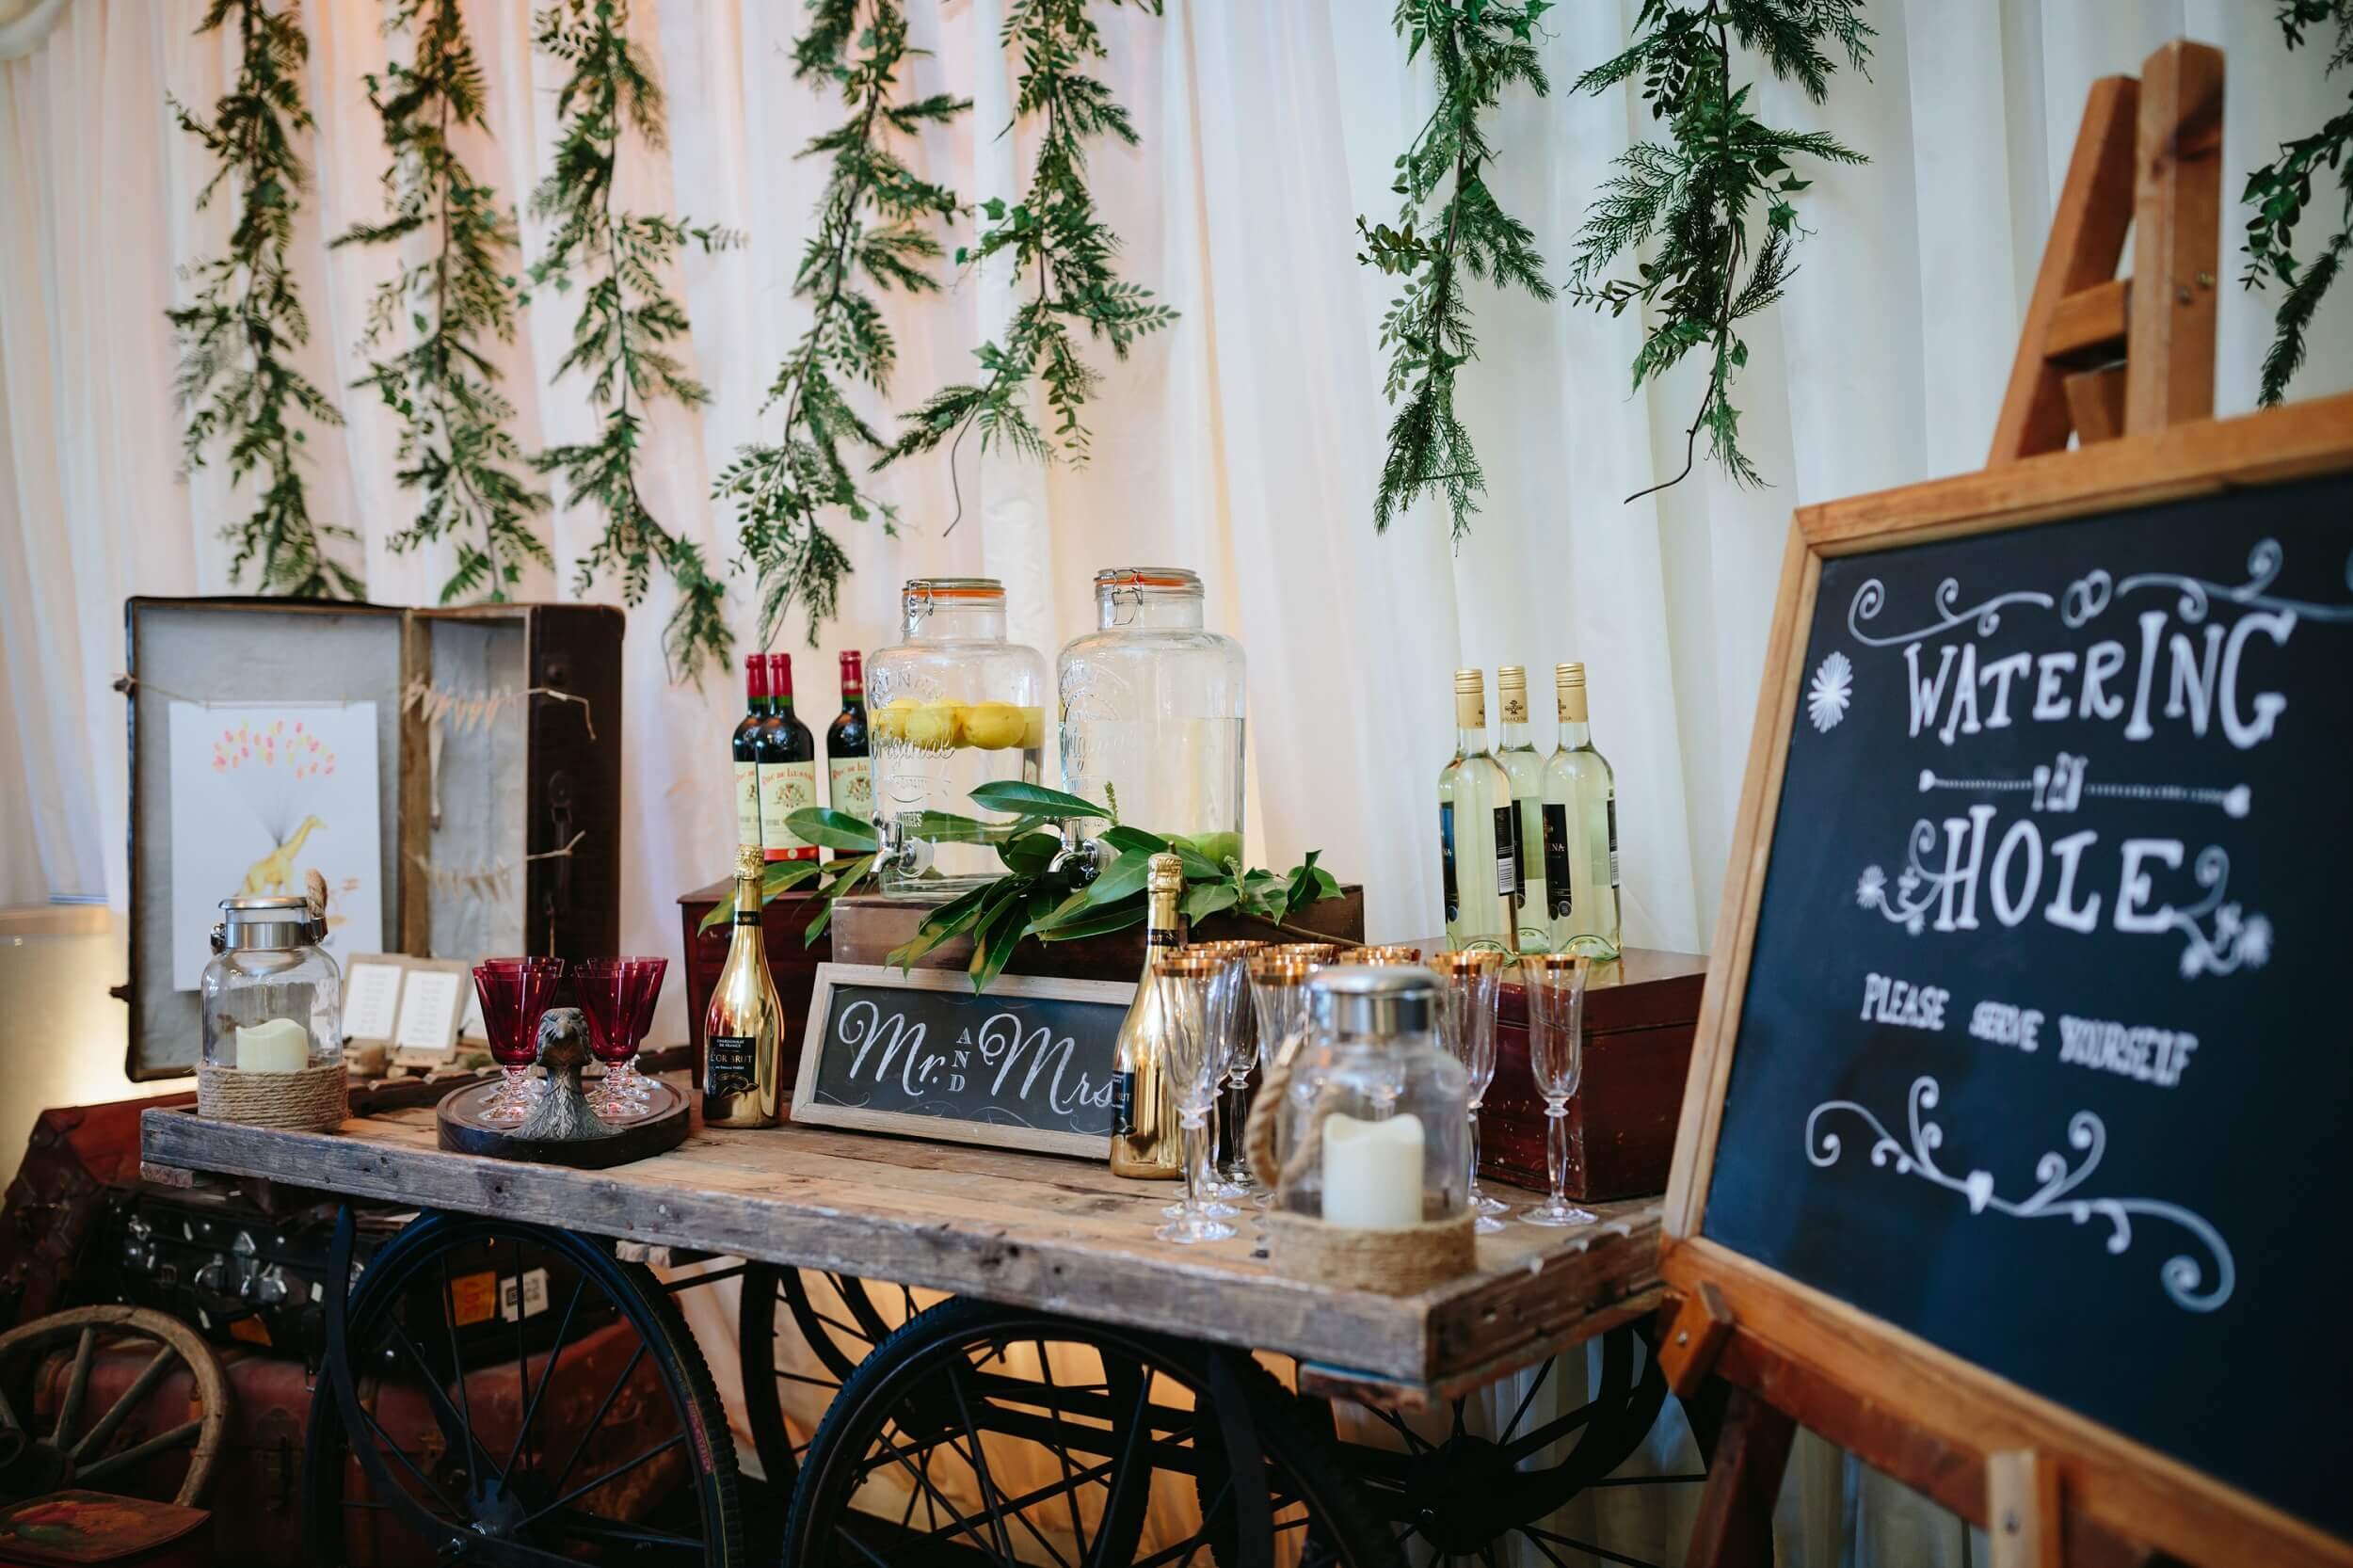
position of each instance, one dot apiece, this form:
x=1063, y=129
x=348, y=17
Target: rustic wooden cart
x=1081, y=1394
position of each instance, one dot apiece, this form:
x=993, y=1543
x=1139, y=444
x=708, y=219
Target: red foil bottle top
x=780, y=675
x=756, y=676
x=854, y=674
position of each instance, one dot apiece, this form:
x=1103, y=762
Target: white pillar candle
x=1372, y=1171
x=279, y=1045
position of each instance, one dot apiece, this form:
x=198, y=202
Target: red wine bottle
x=788, y=767
x=747, y=751
x=849, y=781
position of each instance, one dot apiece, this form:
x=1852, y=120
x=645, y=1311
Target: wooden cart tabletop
x=1036, y=1230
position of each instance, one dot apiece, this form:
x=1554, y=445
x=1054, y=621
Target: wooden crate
x=1640, y=1016
x=866, y=928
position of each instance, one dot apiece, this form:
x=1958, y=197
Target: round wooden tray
x=463, y=1129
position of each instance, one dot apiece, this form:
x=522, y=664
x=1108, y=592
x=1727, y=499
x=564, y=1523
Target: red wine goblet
x=617, y=996
x=514, y=993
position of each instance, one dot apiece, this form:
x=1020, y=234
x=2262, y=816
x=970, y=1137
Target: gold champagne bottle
x=743, y=1027
x=1144, y=1142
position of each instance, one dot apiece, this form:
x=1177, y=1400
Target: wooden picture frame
x=1926, y=1417
x=1114, y=996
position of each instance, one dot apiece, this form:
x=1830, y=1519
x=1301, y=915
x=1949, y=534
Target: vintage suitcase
x=80, y=1529
x=498, y=788
x=1640, y=1015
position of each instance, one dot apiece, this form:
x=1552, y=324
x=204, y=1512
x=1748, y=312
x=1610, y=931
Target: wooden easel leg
x=1735, y=1528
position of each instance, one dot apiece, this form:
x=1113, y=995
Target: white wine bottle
x=1144, y=1142
x=744, y=1025
x=1580, y=824
x=1522, y=764
x=1475, y=833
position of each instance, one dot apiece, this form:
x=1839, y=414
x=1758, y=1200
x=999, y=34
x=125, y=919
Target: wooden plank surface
x=1064, y=1235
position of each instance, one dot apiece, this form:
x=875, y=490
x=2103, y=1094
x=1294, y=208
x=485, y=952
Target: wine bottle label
x=1613, y=840
x=729, y=1064
x=1122, y=1105
x=748, y=805
x=1446, y=862
x=850, y=786
x=1557, y=860
x=1507, y=852
x=784, y=789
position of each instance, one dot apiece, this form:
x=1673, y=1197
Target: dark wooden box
x=511, y=782
x=792, y=963
x=865, y=929
x=1640, y=1015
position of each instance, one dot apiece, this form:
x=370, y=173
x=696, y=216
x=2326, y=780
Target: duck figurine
x=563, y=1113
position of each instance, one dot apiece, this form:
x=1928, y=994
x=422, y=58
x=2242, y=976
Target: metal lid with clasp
x=278, y=922
x=1362, y=999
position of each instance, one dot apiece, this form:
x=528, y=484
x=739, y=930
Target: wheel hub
x=1455, y=1485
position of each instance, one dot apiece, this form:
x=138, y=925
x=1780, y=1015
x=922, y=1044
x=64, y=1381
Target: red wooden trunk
x=1640, y=1015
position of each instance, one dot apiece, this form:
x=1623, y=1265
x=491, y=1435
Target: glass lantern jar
x=1374, y=1111
x=1152, y=708
x=272, y=997
x=951, y=706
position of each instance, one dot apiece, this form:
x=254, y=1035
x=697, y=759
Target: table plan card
x=372, y=998
x=429, y=1010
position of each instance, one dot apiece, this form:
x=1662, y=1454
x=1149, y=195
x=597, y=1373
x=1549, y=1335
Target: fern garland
x=1055, y=233
x=1690, y=197
x=1478, y=50
x=872, y=228
x=2281, y=189
x=628, y=318
x=455, y=447
x=236, y=379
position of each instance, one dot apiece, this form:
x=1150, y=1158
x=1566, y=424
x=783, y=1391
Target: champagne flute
x=1467, y=1022
x=1238, y=1024
x=1184, y=977
x=514, y=993
x=1554, y=985
x=1278, y=992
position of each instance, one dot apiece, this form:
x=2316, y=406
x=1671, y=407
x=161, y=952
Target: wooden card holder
x=1756, y=1334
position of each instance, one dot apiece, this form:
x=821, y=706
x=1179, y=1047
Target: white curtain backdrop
x=1244, y=442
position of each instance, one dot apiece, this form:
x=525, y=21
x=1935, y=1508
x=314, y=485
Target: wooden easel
x=2099, y=356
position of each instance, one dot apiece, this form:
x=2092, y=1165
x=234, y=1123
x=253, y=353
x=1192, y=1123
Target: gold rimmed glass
x=1555, y=987
x=1467, y=1025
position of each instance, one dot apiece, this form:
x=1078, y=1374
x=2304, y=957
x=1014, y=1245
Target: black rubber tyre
x=437, y=1503
x=931, y=1383
x=776, y=1301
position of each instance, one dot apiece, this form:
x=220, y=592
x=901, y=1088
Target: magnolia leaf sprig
x=872, y=228
x=1055, y=233
x=455, y=447
x=1043, y=893
x=1691, y=197
x=2282, y=190
x=628, y=317
x=236, y=379
x=1478, y=48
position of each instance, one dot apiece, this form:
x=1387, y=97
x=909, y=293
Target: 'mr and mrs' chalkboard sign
x=1027, y=1064
x=2045, y=1054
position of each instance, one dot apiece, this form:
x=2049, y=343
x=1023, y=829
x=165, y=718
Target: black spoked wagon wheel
x=979, y=1433
x=1457, y=1494
x=838, y=1318
x=499, y=1393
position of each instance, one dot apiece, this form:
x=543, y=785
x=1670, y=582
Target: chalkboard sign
x=2037, y=1050
x=1026, y=1065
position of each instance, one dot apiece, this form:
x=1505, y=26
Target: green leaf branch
x=628, y=318
x=1042, y=894
x=439, y=316
x=1055, y=234
x=236, y=381
x=1691, y=199
x=1477, y=48
x=872, y=230
x=2280, y=192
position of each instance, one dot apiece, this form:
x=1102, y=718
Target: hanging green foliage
x=1477, y=48
x=2280, y=191
x=439, y=315
x=628, y=318
x=1054, y=235
x=1692, y=198
x=871, y=230
x=236, y=336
